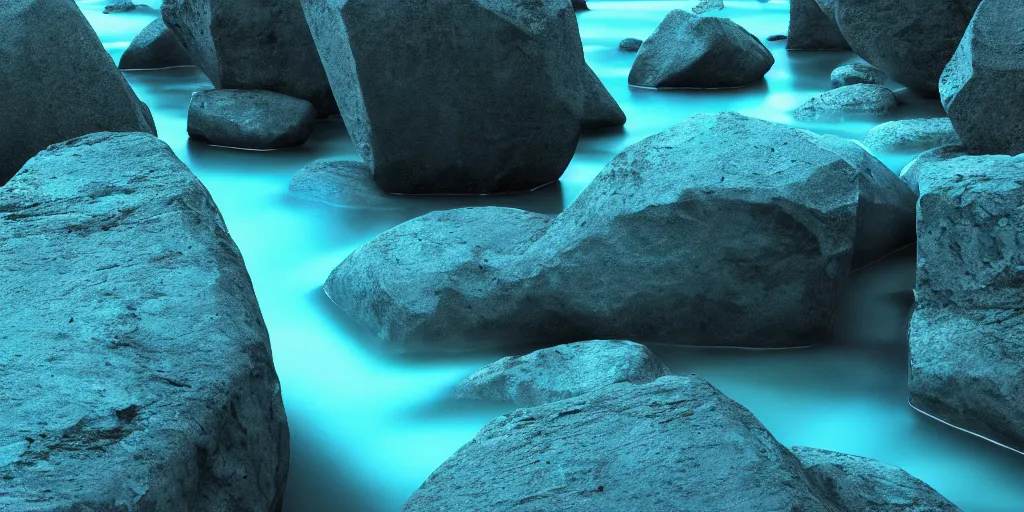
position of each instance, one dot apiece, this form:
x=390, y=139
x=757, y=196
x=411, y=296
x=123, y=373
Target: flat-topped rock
x=857, y=73
x=250, y=119
x=859, y=101
x=911, y=135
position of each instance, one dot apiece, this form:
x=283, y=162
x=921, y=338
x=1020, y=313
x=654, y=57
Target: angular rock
x=927, y=161
x=137, y=371
x=669, y=243
x=600, y=110
x=912, y=135
x=967, y=331
x=705, y=6
x=253, y=44
x=630, y=44
x=982, y=87
x=119, y=6
x=857, y=73
x=343, y=183
x=561, y=372
x=155, y=47
x=250, y=119
x=579, y=5
x=812, y=29
x=693, y=51
x=860, y=101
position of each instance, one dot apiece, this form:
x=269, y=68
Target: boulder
x=857, y=73
x=776, y=37
x=982, y=87
x=630, y=44
x=600, y=110
x=859, y=101
x=250, y=119
x=155, y=47
x=119, y=6
x=579, y=5
x=137, y=371
x=343, y=183
x=723, y=230
x=704, y=6
x=253, y=44
x=561, y=372
x=927, y=160
x=700, y=52
x=812, y=29
x=967, y=331
x=912, y=135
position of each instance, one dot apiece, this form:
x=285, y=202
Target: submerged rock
x=849, y=102
x=812, y=29
x=693, y=51
x=857, y=73
x=723, y=230
x=250, y=119
x=343, y=183
x=600, y=110
x=155, y=47
x=560, y=372
x=777, y=37
x=910, y=135
x=137, y=368
x=630, y=44
x=70, y=89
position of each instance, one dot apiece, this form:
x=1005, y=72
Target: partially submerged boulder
x=600, y=110
x=630, y=44
x=155, y=47
x=860, y=101
x=343, y=183
x=857, y=73
x=812, y=29
x=118, y=6
x=912, y=135
x=250, y=119
x=137, y=371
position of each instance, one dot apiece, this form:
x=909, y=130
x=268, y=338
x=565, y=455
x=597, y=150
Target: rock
x=981, y=88
x=777, y=37
x=926, y=160
x=630, y=44
x=693, y=51
x=812, y=29
x=345, y=184
x=860, y=101
x=71, y=89
x=857, y=73
x=912, y=135
x=579, y=5
x=673, y=444
x=518, y=67
x=137, y=369
x=967, y=331
x=667, y=244
x=600, y=109
x=119, y=6
x=250, y=119
x=561, y=372
x=253, y=44
x=708, y=5
x=155, y=47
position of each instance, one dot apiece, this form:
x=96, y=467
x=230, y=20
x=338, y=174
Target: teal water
x=368, y=429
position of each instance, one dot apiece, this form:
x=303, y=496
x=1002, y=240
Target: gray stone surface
x=857, y=73
x=155, y=47
x=812, y=29
x=860, y=101
x=71, y=89
x=701, y=52
x=343, y=183
x=600, y=110
x=912, y=135
x=982, y=87
x=723, y=230
x=119, y=6
x=136, y=367
x=630, y=44
x=250, y=119
x=705, y=6
x=561, y=372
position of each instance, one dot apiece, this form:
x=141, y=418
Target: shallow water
x=368, y=429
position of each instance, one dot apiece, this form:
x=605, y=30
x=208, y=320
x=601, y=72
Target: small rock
x=708, y=5
x=153, y=48
x=343, y=183
x=857, y=73
x=777, y=37
x=579, y=5
x=119, y=6
x=812, y=29
x=912, y=135
x=860, y=101
x=630, y=44
x=600, y=110
x=250, y=119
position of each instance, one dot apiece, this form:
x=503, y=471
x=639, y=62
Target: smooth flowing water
x=367, y=429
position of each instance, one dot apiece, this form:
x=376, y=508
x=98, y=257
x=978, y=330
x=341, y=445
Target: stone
x=71, y=89
x=564, y=371
x=724, y=231
x=630, y=44
x=967, y=331
x=518, y=70
x=699, y=52
x=704, y=6
x=912, y=135
x=859, y=101
x=153, y=48
x=777, y=37
x=343, y=183
x=982, y=87
x=137, y=370
x=119, y=6
x=250, y=119
x=925, y=161
x=812, y=29
x=579, y=5
x=253, y=44
x=857, y=73
x=600, y=110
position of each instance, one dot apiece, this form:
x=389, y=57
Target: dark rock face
x=155, y=47
x=630, y=44
x=253, y=44
x=517, y=67
x=669, y=243
x=344, y=183
x=910, y=135
x=858, y=101
x=71, y=89
x=982, y=87
x=561, y=372
x=119, y=6
x=250, y=119
x=579, y=5
x=812, y=29
x=856, y=73
x=967, y=332
x=137, y=369
x=693, y=51
x=600, y=110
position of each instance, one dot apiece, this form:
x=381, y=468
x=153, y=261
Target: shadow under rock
x=316, y=483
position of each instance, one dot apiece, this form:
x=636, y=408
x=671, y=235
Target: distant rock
x=667, y=244
x=560, y=372
x=777, y=37
x=250, y=119
x=137, y=371
x=812, y=29
x=912, y=135
x=857, y=73
x=701, y=52
x=982, y=87
x=708, y=5
x=155, y=47
x=579, y=5
x=343, y=183
x=858, y=101
x=117, y=6
x=71, y=89
x=630, y=44
x=600, y=110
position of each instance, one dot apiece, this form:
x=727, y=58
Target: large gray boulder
x=137, y=372
x=967, y=331
x=155, y=47
x=600, y=110
x=857, y=73
x=687, y=50
x=723, y=230
x=253, y=44
x=455, y=96
x=858, y=101
x=69, y=89
x=912, y=135
x=982, y=87
x=250, y=119
x=812, y=29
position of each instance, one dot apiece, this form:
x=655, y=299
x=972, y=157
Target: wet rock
x=630, y=44
x=250, y=119
x=705, y=6
x=667, y=244
x=169, y=399
x=982, y=87
x=119, y=6
x=71, y=89
x=253, y=44
x=911, y=135
x=860, y=101
x=857, y=73
x=777, y=37
x=600, y=110
x=561, y=372
x=579, y=5
x=702, y=52
x=155, y=47
x=343, y=183
x=517, y=67
x=812, y=29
